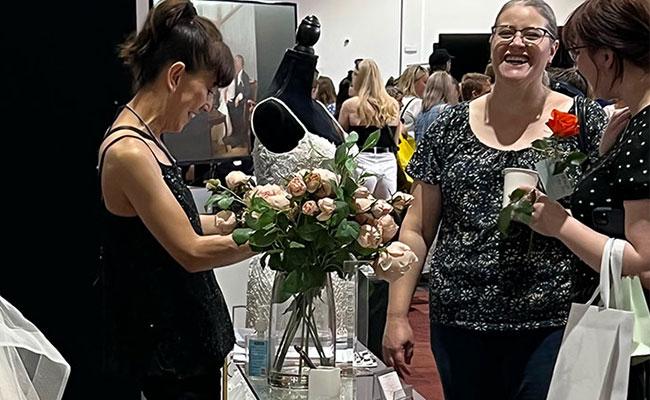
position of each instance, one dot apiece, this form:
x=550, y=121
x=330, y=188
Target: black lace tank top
x=158, y=319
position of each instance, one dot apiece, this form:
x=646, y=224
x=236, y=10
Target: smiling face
x=192, y=94
x=519, y=59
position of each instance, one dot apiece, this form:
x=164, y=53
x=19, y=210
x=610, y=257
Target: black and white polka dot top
x=621, y=174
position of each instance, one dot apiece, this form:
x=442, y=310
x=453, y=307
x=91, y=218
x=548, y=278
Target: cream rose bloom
x=380, y=208
x=296, y=187
x=277, y=198
x=388, y=227
x=362, y=192
x=363, y=205
x=225, y=221
x=401, y=201
x=310, y=208
x=369, y=237
x=395, y=261
x=235, y=179
x=327, y=181
x=327, y=208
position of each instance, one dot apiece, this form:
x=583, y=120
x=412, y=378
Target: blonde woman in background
x=412, y=83
x=439, y=93
x=372, y=109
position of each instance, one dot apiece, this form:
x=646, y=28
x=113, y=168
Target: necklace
x=150, y=131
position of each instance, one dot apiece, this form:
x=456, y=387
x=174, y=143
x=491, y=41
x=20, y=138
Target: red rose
x=563, y=124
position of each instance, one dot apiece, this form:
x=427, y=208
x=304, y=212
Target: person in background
x=237, y=106
x=412, y=83
x=166, y=326
x=568, y=81
x=489, y=71
x=372, y=109
x=610, y=44
x=344, y=89
x=394, y=92
x=473, y=85
x=439, y=94
x=326, y=93
x=498, y=304
x=440, y=60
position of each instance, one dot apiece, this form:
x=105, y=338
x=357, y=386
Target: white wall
x=373, y=27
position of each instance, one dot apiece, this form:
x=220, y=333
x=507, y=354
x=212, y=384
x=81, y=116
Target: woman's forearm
x=588, y=245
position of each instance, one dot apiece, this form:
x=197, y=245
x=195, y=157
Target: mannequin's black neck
x=295, y=75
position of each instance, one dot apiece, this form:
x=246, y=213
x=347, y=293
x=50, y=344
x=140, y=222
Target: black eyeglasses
x=573, y=53
x=530, y=35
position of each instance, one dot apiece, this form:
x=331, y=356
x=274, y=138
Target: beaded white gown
x=311, y=152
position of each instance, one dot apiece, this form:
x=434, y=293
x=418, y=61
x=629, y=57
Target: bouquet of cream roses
x=320, y=218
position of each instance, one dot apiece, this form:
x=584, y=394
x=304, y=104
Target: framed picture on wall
x=258, y=34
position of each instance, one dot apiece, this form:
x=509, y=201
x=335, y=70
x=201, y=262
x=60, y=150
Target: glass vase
x=302, y=323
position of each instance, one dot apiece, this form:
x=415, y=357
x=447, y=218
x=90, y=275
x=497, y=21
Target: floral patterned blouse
x=479, y=279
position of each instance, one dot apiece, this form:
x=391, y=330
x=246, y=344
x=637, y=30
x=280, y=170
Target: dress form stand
x=273, y=125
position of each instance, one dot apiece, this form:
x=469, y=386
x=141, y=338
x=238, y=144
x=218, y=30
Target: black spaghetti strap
x=117, y=139
x=129, y=128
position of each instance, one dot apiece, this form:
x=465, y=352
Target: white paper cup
x=515, y=177
x=324, y=383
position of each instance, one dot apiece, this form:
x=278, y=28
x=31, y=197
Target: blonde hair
x=376, y=106
x=406, y=81
x=440, y=89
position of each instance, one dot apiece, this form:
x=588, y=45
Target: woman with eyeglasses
x=373, y=109
x=498, y=304
x=166, y=326
x=610, y=43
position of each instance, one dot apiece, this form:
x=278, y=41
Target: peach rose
x=310, y=208
x=312, y=181
x=328, y=180
x=236, y=179
x=369, y=237
x=395, y=261
x=362, y=192
x=277, y=198
x=380, y=208
x=296, y=187
x=225, y=221
x=388, y=227
x=365, y=218
x=401, y=201
x=327, y=208
x=363, y=205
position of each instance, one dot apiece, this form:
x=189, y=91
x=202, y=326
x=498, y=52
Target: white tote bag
x=594, y=359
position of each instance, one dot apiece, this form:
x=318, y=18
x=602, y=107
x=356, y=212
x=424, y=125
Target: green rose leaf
x=264, y=238
x=540, y=144
x=340, y=155
x=225, y=202
x=576, y=158
x=371, y=141
x=517, y=194
x=505, y=217
x=309, y=231
x=352, y=138
x=347, y=231
x=242, y=235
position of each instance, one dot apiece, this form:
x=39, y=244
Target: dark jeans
x=202, y=387
x=495, y=365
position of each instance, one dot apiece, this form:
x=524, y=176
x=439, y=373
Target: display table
x=242, y=387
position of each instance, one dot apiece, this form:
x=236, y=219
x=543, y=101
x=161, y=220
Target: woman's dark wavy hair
x=172, y=32
x=622, y=26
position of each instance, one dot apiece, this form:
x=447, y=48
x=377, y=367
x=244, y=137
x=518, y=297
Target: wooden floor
x=424, y=374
